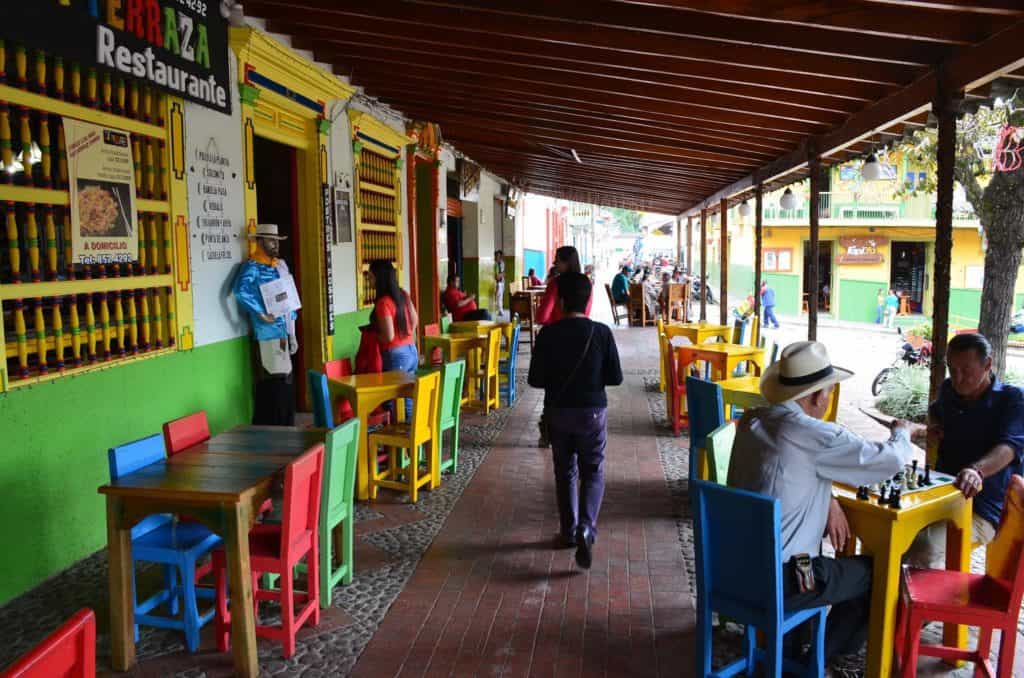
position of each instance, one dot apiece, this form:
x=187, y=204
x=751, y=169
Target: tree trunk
x=1002, y=215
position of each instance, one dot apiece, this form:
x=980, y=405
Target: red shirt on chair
x=452, y=297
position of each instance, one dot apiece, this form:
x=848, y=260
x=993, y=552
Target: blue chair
x=704, y=407
x=739, y=575
x=321, y=399
x=175, y=545
x=507, y=368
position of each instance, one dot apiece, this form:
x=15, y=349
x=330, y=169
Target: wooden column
x=723, y=298
x=703, y=263
x=689, y=244
x=814, y=165
x=679, y=241
x=758, y=226
x=944, y=110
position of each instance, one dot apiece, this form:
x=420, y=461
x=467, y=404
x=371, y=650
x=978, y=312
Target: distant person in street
x=880, y=311
x=462, y=306
x=574, y=359
x=892, y=307
x=980, y=424
x=534, y=280
x=499, y=283
x=666, y=280
x=787, y=452
x=620, y=286
x=768, y=304
x=650, y=294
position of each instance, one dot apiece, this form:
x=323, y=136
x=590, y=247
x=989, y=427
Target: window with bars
x=59, y=316
x=378, y=214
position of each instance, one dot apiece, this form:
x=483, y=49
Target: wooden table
x=222, y=482
x=723, y=358
x=366, y=392
x=745, y=392
x=698, y=332
x=887, y=534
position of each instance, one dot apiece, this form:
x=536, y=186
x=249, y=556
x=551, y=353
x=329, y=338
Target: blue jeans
x=769, y=316
x=402, y=359
x=878, y=315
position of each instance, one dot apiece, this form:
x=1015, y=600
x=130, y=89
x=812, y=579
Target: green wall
x=478, y=279
x=787, y=292
x=741, y=280
x=858, y=299
x=965, y=306
x=346, y=333
x=55, y=439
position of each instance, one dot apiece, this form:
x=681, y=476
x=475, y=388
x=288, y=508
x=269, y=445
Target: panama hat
x=267, y=231
x=803, y=368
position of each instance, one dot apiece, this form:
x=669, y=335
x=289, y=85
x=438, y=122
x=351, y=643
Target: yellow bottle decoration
x=76, y=82
x=6, y=148
x=45, y=164
x=26, y=143
x=51, y=243
x=62, y=158
x=32, y=236
x=57, y=328
x=90, y=88
x=40, y=86
x=158, y=321
x=20, y=67
x=58, y=77
x=119, y=328
x=13, y=250
x=172, y=324
x=120, y=96
x=21, y=337
x=133, y=323
x=69, y=264
x=153, y=252
x=40, y=327
x=144, y=317
x=168, y=247
x=90, y=327
x=76, y=331
x=147, y=174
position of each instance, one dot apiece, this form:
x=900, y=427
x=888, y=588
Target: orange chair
x=70, y=651
x=277, y=549
x=437, y=355
x=990, y=601
x=181, y=434
x=675, y=388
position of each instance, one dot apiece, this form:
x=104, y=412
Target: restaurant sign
x=862, y=250
x=180, y=46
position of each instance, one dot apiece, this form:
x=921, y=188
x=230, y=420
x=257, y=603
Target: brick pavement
x=492, y=596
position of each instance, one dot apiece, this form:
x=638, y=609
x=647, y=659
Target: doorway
x=275, y=167
x=823, y=295
x=907, y=273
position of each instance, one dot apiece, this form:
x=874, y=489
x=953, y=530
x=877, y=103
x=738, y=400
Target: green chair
x=449, y=410
x=719, y=449
x=337, y=508
x=446, y=323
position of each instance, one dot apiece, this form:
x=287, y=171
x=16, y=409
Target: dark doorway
x=455, y=247
x=907, y=273
x=823, y=294
x=276, y=172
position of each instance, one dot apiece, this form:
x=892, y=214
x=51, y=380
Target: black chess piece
x=894, y=499
x=883, y=496
x=913, y=466
x=862, y=492
x=927, y=474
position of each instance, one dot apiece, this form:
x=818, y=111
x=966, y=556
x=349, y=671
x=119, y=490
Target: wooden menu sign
x=862, y=249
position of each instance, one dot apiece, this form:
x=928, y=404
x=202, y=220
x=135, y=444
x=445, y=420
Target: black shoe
x=565, y=541
x=584, y=546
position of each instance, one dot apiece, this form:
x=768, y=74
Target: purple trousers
x=578, y=438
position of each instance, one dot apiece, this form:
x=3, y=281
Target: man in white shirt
x=787, y=452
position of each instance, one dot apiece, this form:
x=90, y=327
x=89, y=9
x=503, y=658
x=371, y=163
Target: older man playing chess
x=788, y=452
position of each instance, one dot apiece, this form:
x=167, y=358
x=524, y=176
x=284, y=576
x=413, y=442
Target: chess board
x=938, y=479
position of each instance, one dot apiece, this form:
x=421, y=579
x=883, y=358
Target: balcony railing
x=914, y=208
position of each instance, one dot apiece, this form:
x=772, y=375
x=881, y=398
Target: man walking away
x=573, y=360
x=499, y=284
x=768, y=304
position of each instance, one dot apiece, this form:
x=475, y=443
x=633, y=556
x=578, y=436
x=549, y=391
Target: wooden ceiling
x=667, y=103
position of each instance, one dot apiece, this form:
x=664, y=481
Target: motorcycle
x=908, y=356
x=695, y=291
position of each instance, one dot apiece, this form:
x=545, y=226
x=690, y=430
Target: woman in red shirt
x=567, y=259
x=395, y=320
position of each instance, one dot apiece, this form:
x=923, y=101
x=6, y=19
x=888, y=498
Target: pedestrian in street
x=768, y=304
x=880, y=311
x=892, y=307
x=574, y=359
x=499, y=284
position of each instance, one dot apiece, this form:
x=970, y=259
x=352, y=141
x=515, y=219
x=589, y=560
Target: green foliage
x=905, y=393
x=924, y=330
x=628, y=220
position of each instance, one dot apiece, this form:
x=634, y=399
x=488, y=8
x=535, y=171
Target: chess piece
x=894, y=499
x=874, y=488
x=912, y=479
x=883, y=494
x=927, y=475
x=862, y=492
x=913, y=466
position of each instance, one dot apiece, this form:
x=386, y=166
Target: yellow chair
x=485, y=379
x=402, y=443
x=661, y=354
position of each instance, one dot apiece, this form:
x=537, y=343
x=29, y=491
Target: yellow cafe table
x=455, y=345
x=725, y=358
x=698, y=332
x=466, y=326
x=366, y=392
x=745, y=392
x=886, y=534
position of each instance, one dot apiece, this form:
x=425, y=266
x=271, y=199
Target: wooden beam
x=689, y=247
x=814, y=199
x=723, y=298
x=703, y=264
x=758, y=242
x=679, y=241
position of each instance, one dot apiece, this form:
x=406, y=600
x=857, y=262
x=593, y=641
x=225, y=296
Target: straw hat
x=803, y=368
x=267, y=231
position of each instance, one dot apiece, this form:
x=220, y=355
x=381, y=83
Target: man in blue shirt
x=768, y=304
x=980, y=421
x=620, y=286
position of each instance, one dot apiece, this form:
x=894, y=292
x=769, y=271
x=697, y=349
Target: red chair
x=336, y=369
x=277, y=549
x=990, y=601
x=70, y=651
x=437, y=355
x=675, y=388
x=181, y=434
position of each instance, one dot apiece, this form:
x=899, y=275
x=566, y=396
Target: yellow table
x=745, y=392
x=366, y=392
x=465, y=326
x=886, y=535
x=457, y=345
x=725, y=358
x=698, y=332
